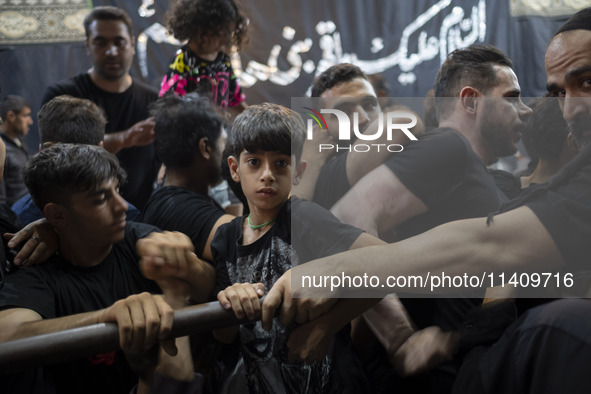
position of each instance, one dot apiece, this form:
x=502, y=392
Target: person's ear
x=54, y=213
x=205, y=148
x=10, y=116
x=469, y=98
x=299, y=172
x=234, y=170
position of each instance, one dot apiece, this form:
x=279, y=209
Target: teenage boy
x=95, y=277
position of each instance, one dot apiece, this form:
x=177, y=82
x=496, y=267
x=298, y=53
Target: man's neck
x=110, y=85
x=543, y=172
x=187, y=181
x=8, y=132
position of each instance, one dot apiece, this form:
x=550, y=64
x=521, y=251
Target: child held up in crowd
x=212, y=28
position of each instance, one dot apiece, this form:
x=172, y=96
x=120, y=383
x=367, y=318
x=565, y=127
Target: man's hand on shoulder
x=38, y=241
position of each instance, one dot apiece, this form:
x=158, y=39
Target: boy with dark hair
x=107, y=13
x=190, y=140
x=473, y=66
x=70, y=120
x=335, y=75
x=95, y=277
x=266, y=161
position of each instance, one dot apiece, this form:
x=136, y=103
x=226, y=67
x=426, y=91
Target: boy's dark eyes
x=282, y=163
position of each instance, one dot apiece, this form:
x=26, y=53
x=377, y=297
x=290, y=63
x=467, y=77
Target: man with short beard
x=440, y=178
x=129, y=132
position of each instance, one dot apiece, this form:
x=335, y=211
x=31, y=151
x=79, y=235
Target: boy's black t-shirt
x=58, y=288
x=264, y=365
x=173, y=208
x=314, y=233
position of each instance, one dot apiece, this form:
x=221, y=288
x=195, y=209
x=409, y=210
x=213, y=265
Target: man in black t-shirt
x=546, y=229
x=442, y=176
x=129, y=132
x=190, y=139
x=96, y=276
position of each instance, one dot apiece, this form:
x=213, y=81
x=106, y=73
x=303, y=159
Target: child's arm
x=243, y=299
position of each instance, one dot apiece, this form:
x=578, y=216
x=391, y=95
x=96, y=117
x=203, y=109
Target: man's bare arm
x=378, y=202
x=516, y=240
x=140, y=134
x=141, y=318
x=207, y=249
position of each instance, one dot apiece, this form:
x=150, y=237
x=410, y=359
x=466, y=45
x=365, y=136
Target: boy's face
x=265, y=177
x=95, y=217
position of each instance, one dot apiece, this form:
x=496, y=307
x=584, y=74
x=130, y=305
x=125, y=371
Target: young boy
x=260, y=247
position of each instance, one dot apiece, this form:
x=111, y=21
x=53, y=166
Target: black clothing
x=263, y=365
x=58, y=288
x=548, y=350
x=123, y=110
x=313, y=234
x=173, y=208
x=508, y=183
x=445, y=173
x=12, y=186
x=332, y=182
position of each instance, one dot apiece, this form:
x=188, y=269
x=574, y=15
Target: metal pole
x=100, y=338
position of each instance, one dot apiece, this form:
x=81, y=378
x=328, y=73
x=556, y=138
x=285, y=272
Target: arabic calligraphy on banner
x=459, y=29
x=292, y=42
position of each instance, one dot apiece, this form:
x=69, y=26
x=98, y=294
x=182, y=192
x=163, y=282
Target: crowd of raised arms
x=141, y=202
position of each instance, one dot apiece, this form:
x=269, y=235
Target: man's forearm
x=14, y=328
x=515, y=241
x=389, y=322
x=114, y=142
x=201, y=279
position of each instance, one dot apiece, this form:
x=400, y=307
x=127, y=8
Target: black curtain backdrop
x=293, y=41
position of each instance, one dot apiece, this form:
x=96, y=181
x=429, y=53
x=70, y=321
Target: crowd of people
x=115, y=219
